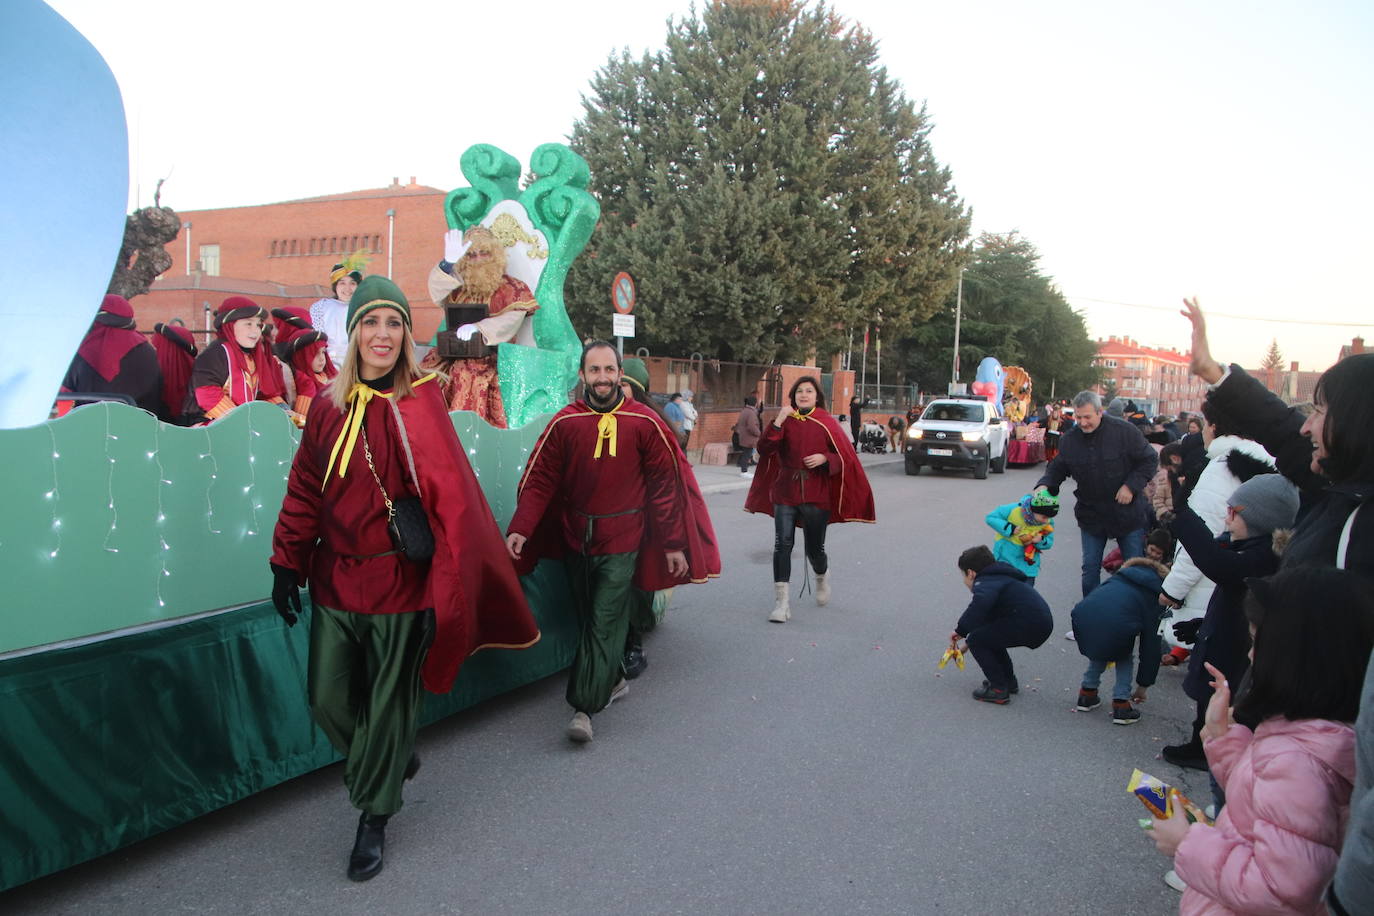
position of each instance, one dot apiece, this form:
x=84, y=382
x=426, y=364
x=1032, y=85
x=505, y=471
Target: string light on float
x=52, y=497
x=214, y=475
x=161, y=518
x=109, y=482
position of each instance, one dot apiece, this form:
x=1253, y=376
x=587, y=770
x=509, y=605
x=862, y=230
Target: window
x=274, y=250
x=293, y=246
x=1111, y=364
x=209, y=260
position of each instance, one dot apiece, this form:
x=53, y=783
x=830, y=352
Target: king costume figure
x=604, y=489
x=473, y=272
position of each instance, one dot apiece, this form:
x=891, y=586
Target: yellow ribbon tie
x=358, y=400
x=605, y=432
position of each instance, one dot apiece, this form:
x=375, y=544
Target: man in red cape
x=604, y=490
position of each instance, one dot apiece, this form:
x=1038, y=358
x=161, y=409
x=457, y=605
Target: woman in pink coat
x=1275, y=844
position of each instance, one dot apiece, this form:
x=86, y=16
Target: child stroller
x=873, y=439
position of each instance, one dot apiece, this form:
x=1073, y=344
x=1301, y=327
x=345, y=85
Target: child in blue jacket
x=1108, y=624
x=1025, y=530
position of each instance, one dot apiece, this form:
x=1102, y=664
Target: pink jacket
x=1275, y=844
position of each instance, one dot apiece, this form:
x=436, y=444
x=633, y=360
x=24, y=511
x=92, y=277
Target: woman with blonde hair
x=384, y=521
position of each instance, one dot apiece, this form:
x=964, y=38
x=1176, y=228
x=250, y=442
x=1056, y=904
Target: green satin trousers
x=364, y=685
x=604, y=595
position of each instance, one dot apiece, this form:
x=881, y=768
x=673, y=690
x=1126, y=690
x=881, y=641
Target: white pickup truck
x=959, y=431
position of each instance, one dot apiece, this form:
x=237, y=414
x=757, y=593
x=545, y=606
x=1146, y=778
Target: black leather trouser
x=814, y=520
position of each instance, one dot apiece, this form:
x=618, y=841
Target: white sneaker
x=1172, y=879
x=580, y=728
x=1069, y=635
x=619, y=691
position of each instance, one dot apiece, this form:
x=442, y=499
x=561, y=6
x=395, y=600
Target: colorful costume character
x=306, y=354
x=115, y=359
x=328, y=315
x=989, y=382
x=176, y=356
x=1024, y=530
x=384, y=624
x=604, y=489
x=227, y=373
x=478, y=277
x=806, y=497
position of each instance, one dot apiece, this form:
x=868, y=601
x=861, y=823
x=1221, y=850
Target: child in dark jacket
x=1108, y=623
x=1254, y=511
x=1005, y=612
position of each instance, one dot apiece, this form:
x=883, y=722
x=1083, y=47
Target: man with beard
x=473, y=272
x=604, y=490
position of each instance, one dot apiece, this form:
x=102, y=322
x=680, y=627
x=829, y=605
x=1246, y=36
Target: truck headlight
x=973, y=437
x=913, y=433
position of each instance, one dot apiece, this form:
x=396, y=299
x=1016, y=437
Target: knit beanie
x=638, y=373
x=1043, y=503
x=1265, y=502
x=375, y=292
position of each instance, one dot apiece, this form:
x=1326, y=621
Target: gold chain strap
x=367, y=453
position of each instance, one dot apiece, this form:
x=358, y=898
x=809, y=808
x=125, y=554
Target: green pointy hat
x=375, y=292
x=638, y=373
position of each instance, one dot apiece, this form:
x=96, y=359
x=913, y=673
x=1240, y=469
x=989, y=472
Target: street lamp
x=958, y=315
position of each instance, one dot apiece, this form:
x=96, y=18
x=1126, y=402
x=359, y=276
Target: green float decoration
x=534, y=380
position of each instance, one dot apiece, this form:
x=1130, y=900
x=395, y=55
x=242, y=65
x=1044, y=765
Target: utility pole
x=958, y=316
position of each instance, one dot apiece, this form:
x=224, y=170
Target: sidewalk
x=718, y=479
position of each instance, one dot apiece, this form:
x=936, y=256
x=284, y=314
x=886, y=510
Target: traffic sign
x=623, y=294
x=623, y=325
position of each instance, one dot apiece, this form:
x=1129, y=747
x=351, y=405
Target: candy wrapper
x=1162, y=799
x=952, y=655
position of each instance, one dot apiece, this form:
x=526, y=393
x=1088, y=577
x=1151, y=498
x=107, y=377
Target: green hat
x=1044, y=503
x=635, y=370
x=376, y=292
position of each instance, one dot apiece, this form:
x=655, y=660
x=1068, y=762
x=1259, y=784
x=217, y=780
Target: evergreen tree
x=767, y=185
x=1011, y=311
x=1273, y=365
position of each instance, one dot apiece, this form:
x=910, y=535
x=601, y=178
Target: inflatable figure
x=989, y=381
x=1017, y=394
x=64, y=177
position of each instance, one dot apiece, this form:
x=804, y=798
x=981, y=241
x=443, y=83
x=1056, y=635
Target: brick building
x=281, y=253
x=1157, y=380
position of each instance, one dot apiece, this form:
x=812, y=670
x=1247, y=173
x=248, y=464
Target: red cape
x=477, y=599
x=651, y=570
x=851, y=498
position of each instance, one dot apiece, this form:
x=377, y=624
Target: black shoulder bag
x=406, y=521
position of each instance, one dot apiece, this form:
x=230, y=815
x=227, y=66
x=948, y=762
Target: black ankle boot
x=366, y=861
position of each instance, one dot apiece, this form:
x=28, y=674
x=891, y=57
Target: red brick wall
x=245, y=236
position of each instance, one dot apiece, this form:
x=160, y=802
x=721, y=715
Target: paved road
x=821, y=766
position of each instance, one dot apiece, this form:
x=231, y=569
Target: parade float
x=145, y=678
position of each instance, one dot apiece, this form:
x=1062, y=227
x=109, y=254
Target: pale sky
x=1151, y=150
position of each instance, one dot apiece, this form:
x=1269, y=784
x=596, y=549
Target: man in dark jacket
x=1005, y=612
x=1111, y=462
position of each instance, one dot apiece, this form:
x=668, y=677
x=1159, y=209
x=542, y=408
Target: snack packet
x=954, y=655
x=1162, y=799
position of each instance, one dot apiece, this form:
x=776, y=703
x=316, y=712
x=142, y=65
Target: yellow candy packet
x=1162, y=799
x=952, y=655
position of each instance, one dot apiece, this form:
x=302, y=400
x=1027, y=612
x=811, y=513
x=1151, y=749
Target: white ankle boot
x=781, y=612
x=822, y=589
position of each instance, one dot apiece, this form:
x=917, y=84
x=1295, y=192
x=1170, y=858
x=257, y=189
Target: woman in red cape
x=176, y=356
x=808, y=477
x=385, y=622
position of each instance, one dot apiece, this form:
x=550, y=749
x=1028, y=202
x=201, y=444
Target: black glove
x=1166, y=518
x=1186, y=630
x=286, y=594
